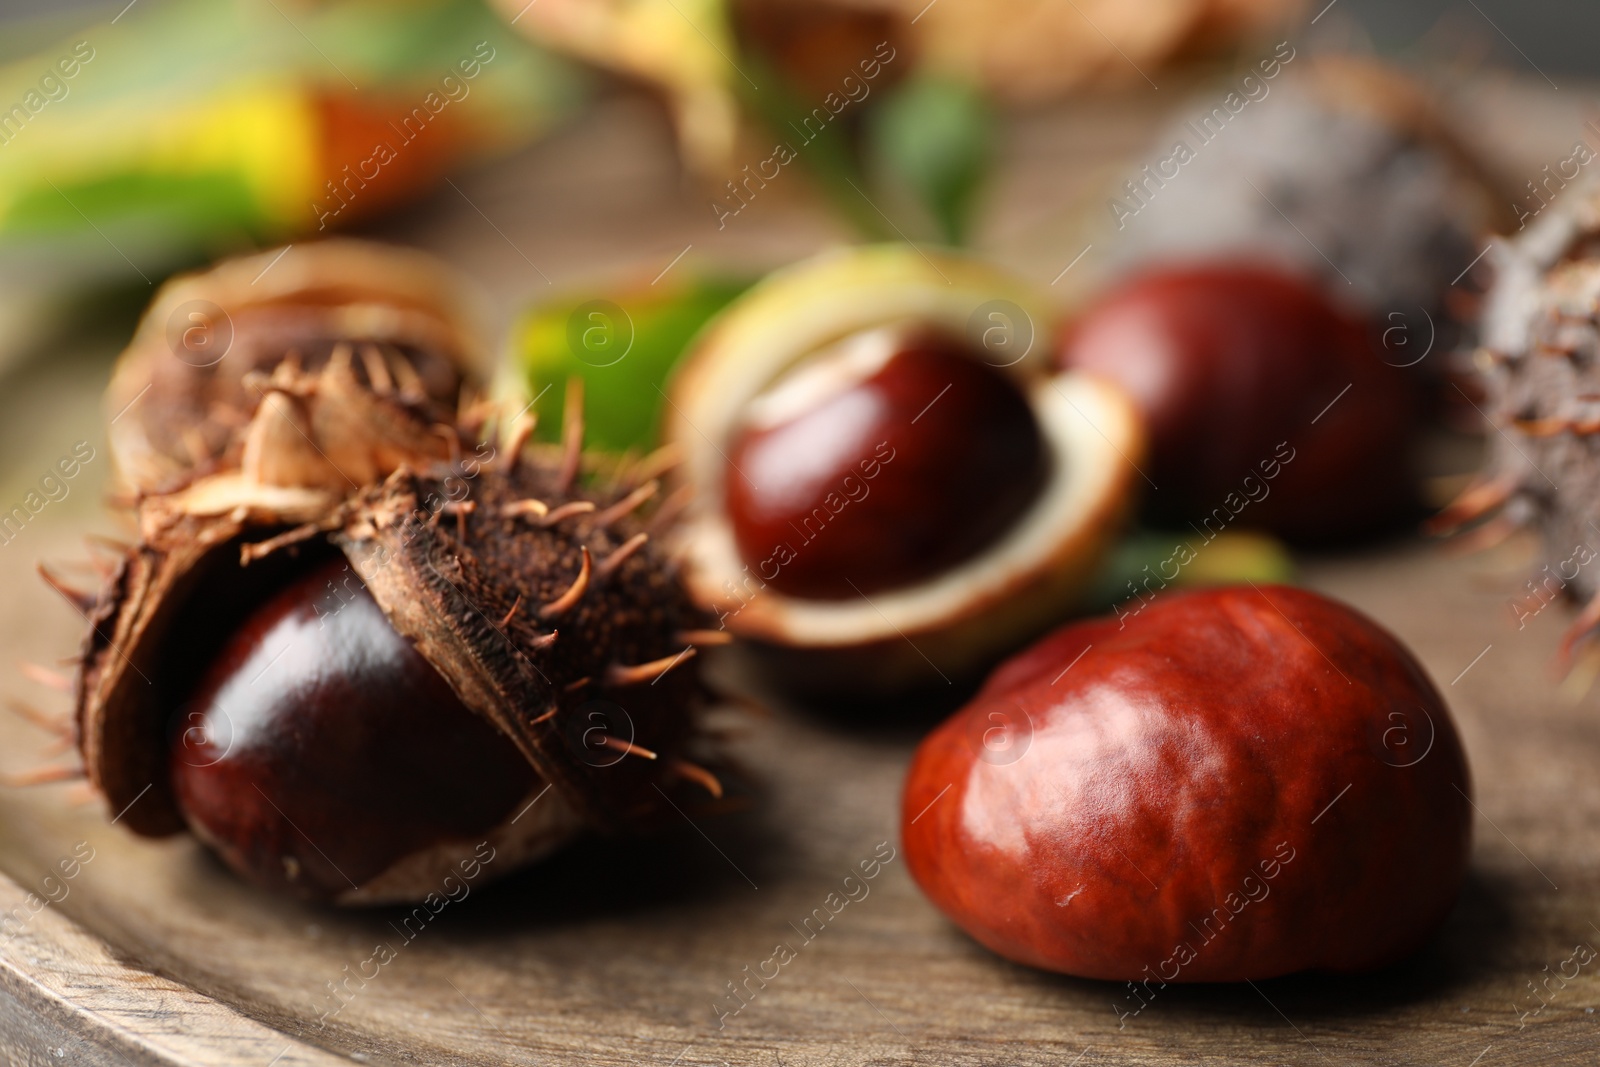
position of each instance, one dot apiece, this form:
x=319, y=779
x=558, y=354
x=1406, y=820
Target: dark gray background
x=1556, y=36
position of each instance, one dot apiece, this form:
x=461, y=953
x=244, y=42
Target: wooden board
x=612, y=954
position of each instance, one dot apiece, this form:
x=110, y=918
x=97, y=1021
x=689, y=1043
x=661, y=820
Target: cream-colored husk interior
x=1089, y=429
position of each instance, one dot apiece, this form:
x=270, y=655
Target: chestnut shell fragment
x=1237, y=784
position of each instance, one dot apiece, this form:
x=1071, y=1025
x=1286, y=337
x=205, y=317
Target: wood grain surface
x=622, y=953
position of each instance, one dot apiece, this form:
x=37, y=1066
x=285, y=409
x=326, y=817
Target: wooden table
x=613, y=954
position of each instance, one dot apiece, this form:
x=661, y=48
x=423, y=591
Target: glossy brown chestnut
x=1237, y=365
x=1232, y=784
x=880, y=462
x=320, y=749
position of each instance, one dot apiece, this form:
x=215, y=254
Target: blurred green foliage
x=623, y=345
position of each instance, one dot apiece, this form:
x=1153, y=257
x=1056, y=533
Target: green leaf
x=932, y=135
x=623, y=345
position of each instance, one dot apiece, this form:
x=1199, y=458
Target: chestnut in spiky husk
x=891, y=484
x=347, y=691
x=185, y=390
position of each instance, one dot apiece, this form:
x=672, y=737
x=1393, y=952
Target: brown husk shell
x=447, y=566
x=1539, y=364
x=178, y=408
x=447, y=588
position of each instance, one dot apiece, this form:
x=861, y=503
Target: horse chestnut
x=515, y=664
x=887, y=459
x=880, y=420
x=1236, y=365
x=320, y=749
x=1233, y=784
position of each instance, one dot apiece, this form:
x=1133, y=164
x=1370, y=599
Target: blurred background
x=562, y=150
